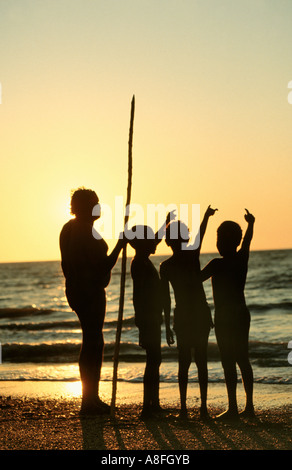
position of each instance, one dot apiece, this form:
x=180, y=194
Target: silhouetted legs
x=201, y=362
x=247, y=379
x=151, y=380
x=233, y=346
x=91, y=355
x=151, y=376
x=185, y=359
x=184, y=362
x=90, y=362
x=230, y=373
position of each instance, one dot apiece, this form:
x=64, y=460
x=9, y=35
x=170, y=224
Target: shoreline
x=45, y=416
x=266, y=396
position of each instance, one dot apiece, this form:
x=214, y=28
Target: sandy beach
x=45, y=416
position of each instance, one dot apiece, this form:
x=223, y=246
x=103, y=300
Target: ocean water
x=40, y=336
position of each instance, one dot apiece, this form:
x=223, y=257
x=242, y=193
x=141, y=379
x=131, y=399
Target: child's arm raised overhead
x=249, y=232
x=209, y=212
x=161, y=232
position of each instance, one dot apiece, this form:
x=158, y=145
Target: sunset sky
x=212, y=123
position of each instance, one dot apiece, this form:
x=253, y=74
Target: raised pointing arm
x=160, y=233
x=209, y=212
x=198, y=243
x=249, y=231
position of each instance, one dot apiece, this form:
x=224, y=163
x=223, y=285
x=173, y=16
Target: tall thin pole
x=124, y=263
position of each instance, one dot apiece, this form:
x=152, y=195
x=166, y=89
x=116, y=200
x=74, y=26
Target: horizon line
x=154, y=255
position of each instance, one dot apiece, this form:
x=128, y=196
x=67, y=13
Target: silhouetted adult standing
x=87, y=270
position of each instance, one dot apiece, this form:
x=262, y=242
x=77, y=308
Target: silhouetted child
x=192, y=316
x=232, y=317
x=147, y=300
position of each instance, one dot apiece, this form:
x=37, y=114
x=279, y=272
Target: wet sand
x=45, y=416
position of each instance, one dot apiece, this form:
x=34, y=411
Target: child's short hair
x=141, y=236
x=176, y=231
x=81, y=200
x=229, y=235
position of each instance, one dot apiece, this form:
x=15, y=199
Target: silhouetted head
x=82, y=203
x=143, y=240
x=229, y=236
x=176, y=234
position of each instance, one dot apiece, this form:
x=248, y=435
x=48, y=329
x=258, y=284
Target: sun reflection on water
x=73, y=389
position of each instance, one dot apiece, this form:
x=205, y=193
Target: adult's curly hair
x=81, y=200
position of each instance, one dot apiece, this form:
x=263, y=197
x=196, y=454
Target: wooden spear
x=124, y=264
